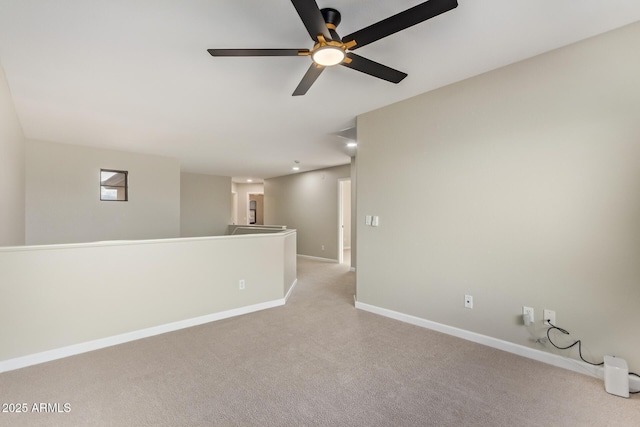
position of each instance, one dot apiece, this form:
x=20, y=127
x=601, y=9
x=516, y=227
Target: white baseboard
x=286, y=297
x=59, y=353
x=520, y=350
x=318, y=258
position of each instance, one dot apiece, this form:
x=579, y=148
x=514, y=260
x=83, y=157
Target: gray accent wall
x=308, y=202
x=12, y=165
x=205, y=204
x=520, y=186
x=63, y=195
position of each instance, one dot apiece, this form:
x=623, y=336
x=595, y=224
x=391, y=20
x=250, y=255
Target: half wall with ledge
x=61, y=300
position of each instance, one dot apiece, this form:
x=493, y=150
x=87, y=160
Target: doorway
x=344, y=221
x=255, y=214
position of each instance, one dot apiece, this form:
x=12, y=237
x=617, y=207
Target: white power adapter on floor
x=616, y=376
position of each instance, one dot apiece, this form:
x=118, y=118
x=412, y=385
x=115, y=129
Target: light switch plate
x=367, y=220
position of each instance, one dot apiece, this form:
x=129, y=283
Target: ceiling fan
x=330, y=49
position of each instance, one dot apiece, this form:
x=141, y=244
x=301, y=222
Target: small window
x=113, y=185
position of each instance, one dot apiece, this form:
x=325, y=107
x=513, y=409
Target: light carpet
x=317, y=361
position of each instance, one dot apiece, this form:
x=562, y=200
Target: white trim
x=341, y=181
x=318, y=258
x=520, y=350
x=59, y=353
x=234, y=207
x=341, y=208
x=140, y=242
x=286, y=297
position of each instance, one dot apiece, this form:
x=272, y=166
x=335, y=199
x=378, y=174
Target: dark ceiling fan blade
x=258, y=52
x=310, y=76
x=399, y=22
x=373, y=68
x=312, y=18
x=334, y=35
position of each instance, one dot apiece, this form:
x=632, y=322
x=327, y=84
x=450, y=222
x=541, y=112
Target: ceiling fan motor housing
x=331, y=17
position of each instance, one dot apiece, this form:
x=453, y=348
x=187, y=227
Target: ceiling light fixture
x=352, y=144
x=328, y=53
x=328, y=56
x=249, y=180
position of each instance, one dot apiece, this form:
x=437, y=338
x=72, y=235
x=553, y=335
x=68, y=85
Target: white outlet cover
x=549, y=315
x=468, y=301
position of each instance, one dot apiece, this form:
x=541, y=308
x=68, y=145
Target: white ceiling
x=135, y=74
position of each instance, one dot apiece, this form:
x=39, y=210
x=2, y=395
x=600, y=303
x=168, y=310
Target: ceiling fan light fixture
x=330, y=49
x=328, y=55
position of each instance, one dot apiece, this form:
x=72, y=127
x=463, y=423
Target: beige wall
x=307, y=202
x=205, y=205
x=63, y=195
x=12, y=164
x=520, y=187
x=64, y=295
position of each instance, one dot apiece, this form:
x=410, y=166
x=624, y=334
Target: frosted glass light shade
x=328, y=56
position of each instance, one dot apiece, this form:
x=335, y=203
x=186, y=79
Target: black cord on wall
x=634, y=392
x=578, y=342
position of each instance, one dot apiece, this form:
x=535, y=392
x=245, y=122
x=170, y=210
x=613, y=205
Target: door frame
x=249, y=194
x=341, y=207
x=234, y=207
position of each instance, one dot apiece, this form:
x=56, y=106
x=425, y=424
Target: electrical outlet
x=549, y=316
x=241, y=285
x=468, y=301
x=528, y=311
x=322, y=247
